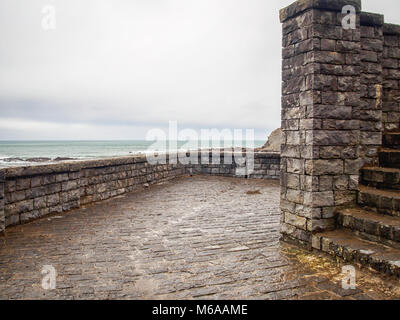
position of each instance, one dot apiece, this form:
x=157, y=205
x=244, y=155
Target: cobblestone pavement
x=191, y=238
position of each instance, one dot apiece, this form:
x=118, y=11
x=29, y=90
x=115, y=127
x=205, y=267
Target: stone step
x=380, y=201
x=389, y=158
x=370, y=225
x=381, y=178
x=391, y=140
x=346, y=245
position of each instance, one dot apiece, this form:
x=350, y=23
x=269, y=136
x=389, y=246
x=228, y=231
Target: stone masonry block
x=318, y=225
x=295, y=166
x=2, y=215
x=299, y=7
x=324, y=167
x=295, y=196
x=296, y=221
x=334, y=138
x=319, y=199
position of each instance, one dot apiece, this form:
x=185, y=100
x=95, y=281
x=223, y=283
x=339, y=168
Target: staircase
x=369, y=233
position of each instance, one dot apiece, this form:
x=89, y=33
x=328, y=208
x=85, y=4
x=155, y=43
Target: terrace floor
x=192, y=238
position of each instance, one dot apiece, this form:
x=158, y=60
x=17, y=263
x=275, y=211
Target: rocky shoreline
x=271, y=146
x=37, y=159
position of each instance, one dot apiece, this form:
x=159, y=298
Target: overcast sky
x=113, y=69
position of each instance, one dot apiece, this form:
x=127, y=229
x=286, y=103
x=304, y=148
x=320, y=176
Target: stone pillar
x=391, y=71
x=320, y=126
x=370, y=110
x=2, y=217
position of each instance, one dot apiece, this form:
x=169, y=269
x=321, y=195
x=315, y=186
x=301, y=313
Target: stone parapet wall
x=266, y=165
x=32, y=192
x=99, y=181
x=28, y=193
x=391, y=72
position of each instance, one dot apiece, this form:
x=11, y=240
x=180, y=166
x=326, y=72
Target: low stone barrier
x=28, y=193
x=266, y=166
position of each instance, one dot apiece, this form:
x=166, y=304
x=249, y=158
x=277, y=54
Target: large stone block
x=309, y=183
x=345, y=197
x=53, y=200
x=319, y=199
x=333, y=137
x=295, y=166
x=295, y=196
x=298, y=7
x=296, y=221
x=352, y=167
x=24, y=206
x=325, y=183
x=324, y=167
x=10, y=186
x=307, y=212
x=293, y=181
x=70, y=185
x=23, y=184
x=15, y=196
x=318, y=225
x=36, y=181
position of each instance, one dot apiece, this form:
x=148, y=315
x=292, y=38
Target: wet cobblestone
x=191, y=238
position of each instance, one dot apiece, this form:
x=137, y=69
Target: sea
x=24, y=153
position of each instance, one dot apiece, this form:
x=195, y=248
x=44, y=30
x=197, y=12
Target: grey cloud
x=205, y=63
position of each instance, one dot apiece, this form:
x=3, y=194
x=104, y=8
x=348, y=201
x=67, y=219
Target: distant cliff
x=274, y=142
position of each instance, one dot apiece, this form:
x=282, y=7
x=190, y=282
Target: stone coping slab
x=304, y=5
x=371, y=19
x=391, y=29
x=77, y=165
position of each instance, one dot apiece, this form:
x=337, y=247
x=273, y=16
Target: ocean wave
x=16, y=161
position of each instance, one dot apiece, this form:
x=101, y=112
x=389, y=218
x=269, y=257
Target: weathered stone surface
x=371, y=19
x=295, y=196
x=296, y=221
x=40, y=203
x=322, y=224
x=23, y=184
x=295, y=166
x=36, y=181
x=301, y=6
x=323, y=167
x=70, y=185
x=334, y=138
x=53, y=200
x=24, y=206
x=320, y=144
x=167, y=242
x=319, y=199
x=391, y=29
